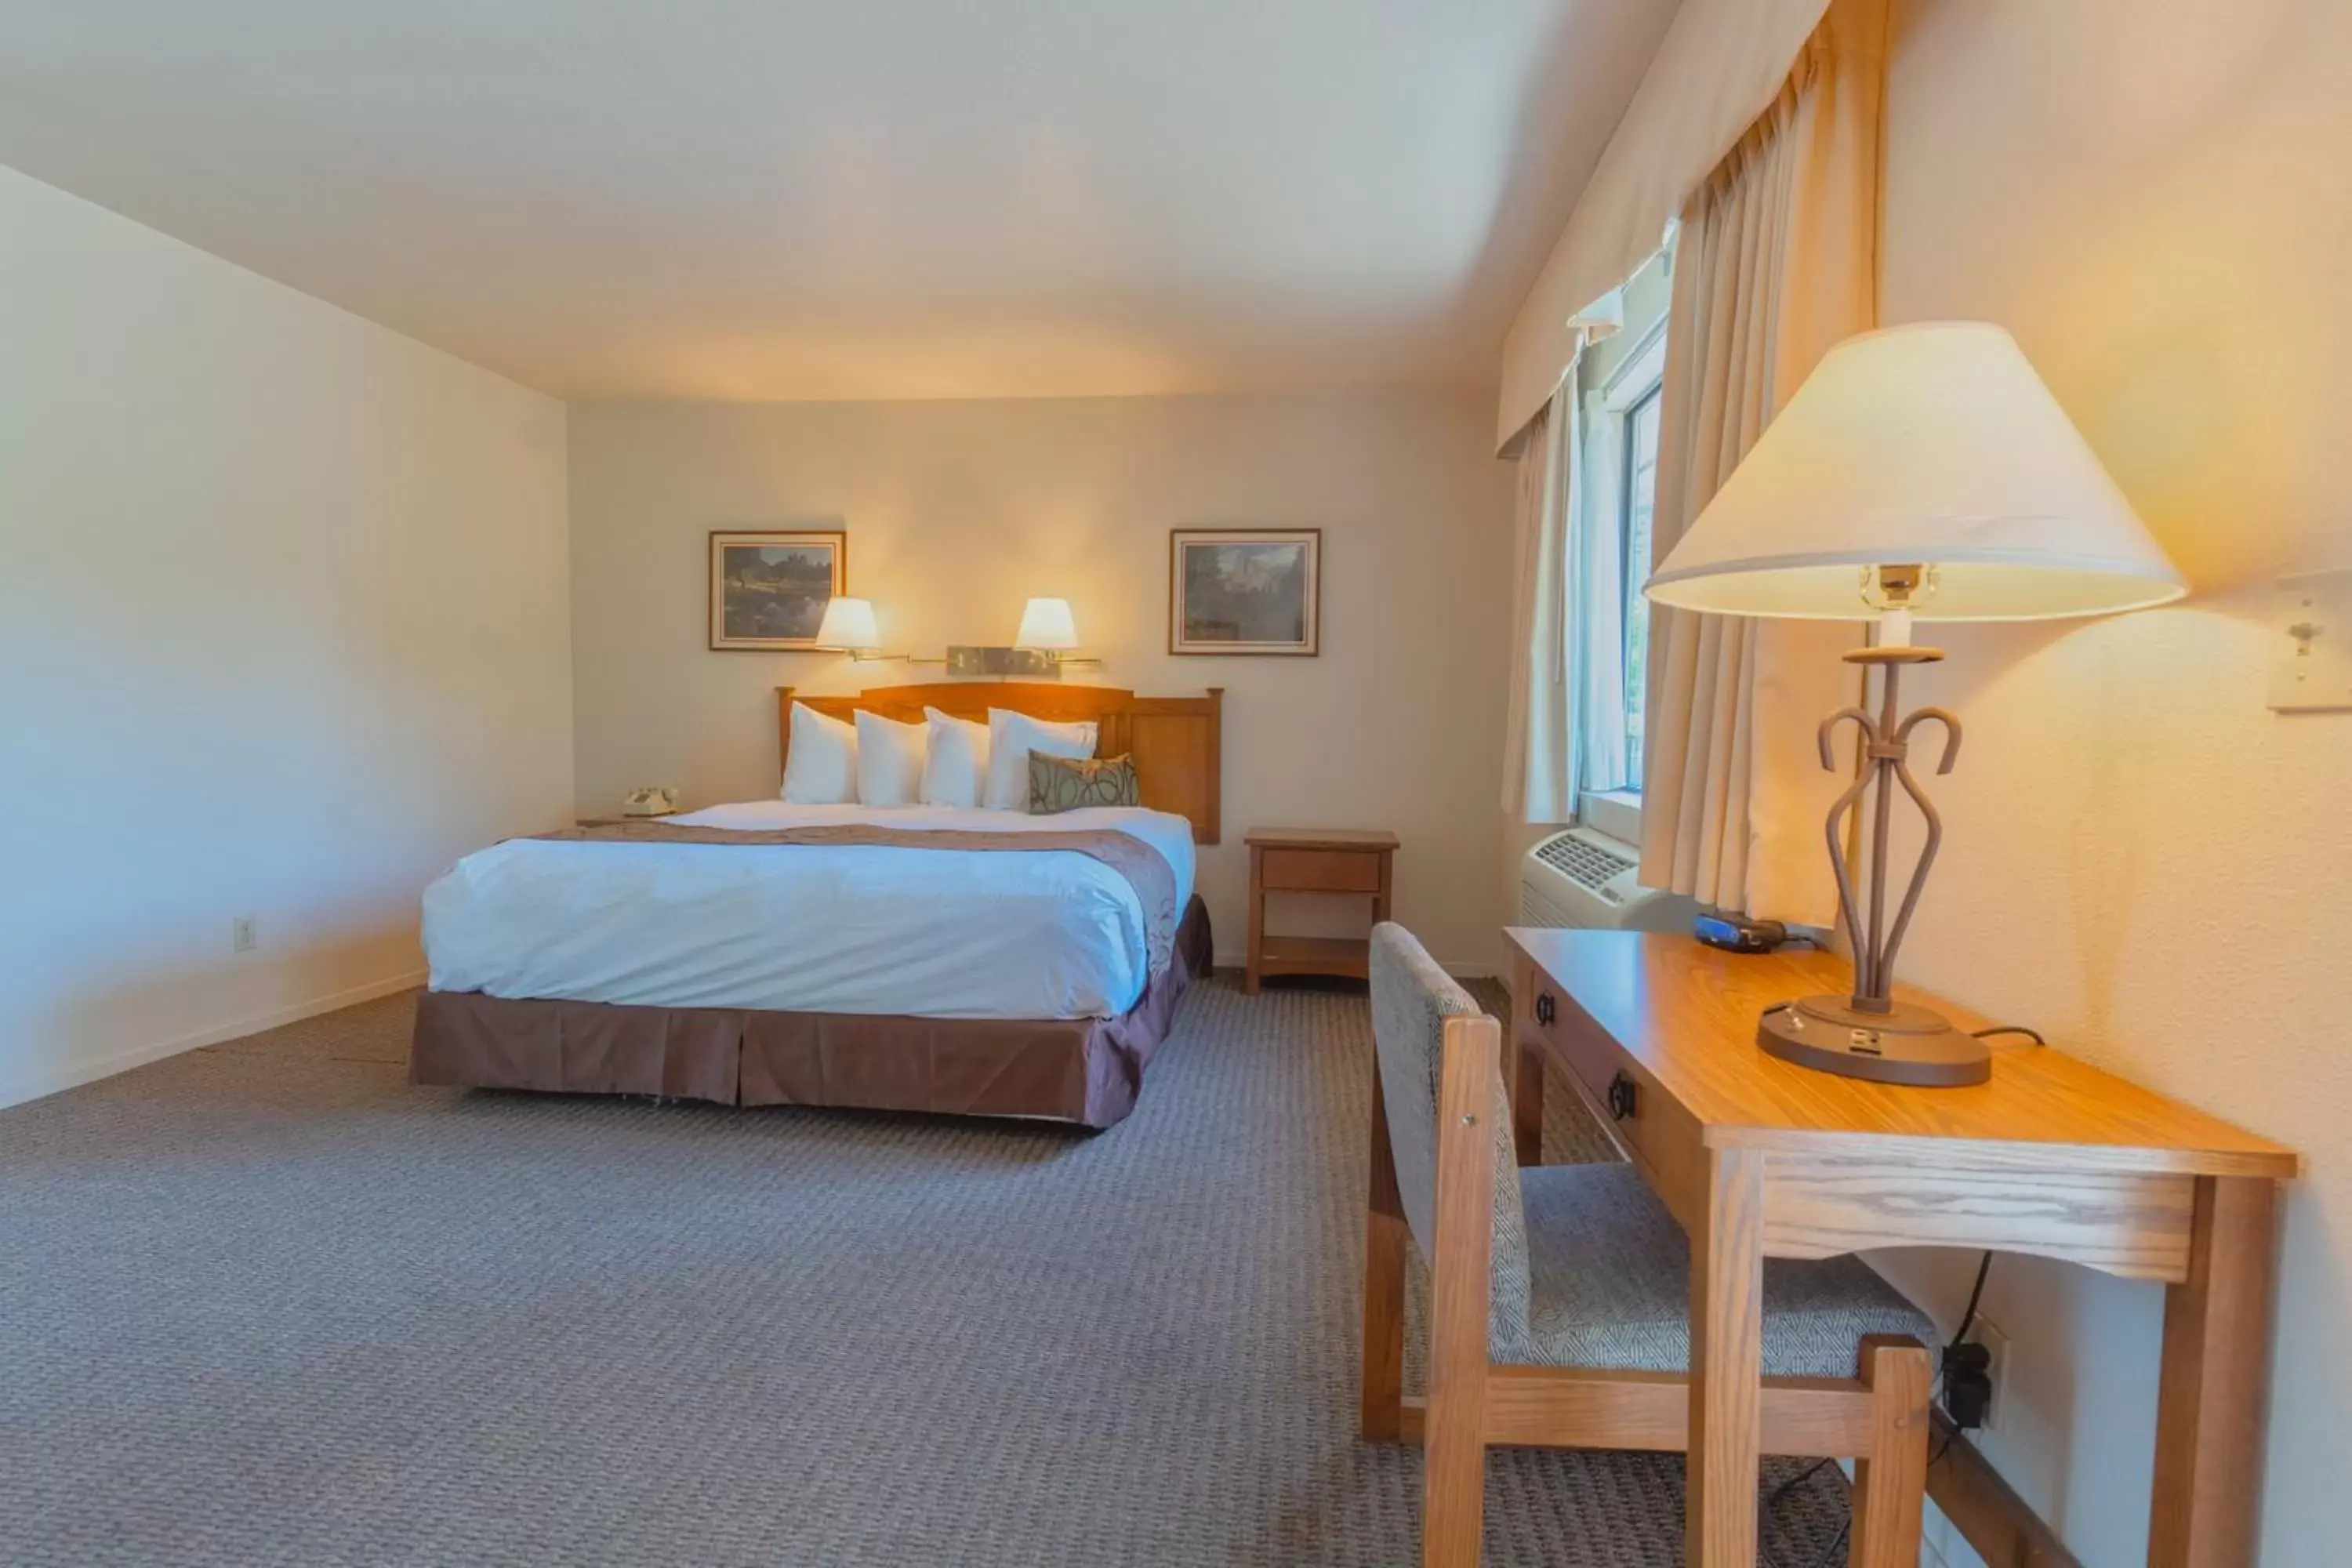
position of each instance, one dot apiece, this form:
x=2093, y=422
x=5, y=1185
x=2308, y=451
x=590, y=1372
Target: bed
x=911, y=958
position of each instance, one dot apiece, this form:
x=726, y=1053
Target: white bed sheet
x=943, y=933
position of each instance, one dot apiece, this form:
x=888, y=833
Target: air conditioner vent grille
x=1586, y=864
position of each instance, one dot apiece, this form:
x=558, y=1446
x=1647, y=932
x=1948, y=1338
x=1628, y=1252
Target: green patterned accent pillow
x=1064, y=784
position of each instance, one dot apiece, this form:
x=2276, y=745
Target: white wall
x=2142, y=861
x=958, y=512
x=283, y=630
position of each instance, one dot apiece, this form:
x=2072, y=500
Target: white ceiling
x=857, y=198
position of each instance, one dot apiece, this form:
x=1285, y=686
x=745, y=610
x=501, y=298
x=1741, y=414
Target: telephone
x=651, y=801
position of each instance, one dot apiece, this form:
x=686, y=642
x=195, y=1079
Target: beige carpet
x=267, y=1304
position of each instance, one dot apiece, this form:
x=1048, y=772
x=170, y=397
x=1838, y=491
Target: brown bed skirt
x=1087, y=1070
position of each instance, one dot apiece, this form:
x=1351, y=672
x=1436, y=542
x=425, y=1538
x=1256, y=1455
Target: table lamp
x=1921, y=473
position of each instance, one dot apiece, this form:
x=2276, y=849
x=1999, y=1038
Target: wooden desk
x=1759, y=1158
x=1353, y=862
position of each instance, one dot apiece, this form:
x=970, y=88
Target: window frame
x=1630, y=573
x=1634, y=381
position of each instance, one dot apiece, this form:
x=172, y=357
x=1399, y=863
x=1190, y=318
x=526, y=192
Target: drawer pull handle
x=1623, y=1098
x=1544, y=1008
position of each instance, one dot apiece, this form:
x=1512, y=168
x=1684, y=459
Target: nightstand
x=1336, y=860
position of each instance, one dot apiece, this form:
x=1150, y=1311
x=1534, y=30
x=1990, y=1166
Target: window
x=1638, y=496
x=1596, y=530
x=1618, y=495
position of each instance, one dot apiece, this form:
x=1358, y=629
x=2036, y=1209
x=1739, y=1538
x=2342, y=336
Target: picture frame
x=769, y=587
x=1253, y=592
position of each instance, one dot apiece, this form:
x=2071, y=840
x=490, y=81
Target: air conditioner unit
x=1582, y=878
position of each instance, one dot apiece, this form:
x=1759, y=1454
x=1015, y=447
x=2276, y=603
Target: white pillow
x=1011, y=738
x=821, y=769
x=889, y=760
x=955, y=762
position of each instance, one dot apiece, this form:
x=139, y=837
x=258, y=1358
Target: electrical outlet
x=242, y=935
x=1996, y=1346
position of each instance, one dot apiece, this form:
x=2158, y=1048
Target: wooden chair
x=1559, y=1298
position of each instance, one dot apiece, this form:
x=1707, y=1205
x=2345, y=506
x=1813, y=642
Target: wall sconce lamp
x=1039, y=651
x=1048, y=627
x=1040, y=648
x=848, y=627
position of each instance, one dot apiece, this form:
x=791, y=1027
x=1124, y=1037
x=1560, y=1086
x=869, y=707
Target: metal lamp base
x=1908, y=1045
x=1870, y=1035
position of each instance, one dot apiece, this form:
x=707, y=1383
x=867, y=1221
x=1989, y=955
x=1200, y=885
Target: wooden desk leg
x=1453, y=1442
x=1257, y=922
x=2210, y=1404
x=1727, y=1365
x=1386, y=1239
x=1526, y=1104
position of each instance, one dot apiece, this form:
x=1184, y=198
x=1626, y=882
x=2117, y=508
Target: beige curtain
x=1539, y=751
x=1720, y=63
x=1777, y=261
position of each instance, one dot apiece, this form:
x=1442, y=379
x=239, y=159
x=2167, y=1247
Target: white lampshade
x=848, y=625
x=1047, y=624
x=1935, y=445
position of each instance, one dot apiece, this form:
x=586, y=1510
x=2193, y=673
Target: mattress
x=863, y=929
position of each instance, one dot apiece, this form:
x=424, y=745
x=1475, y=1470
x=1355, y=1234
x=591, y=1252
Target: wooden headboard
x=1177, y=742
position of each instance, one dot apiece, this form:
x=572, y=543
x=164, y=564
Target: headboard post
x=1178, y=742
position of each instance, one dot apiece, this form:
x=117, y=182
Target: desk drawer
x=1320, y=871
x=1648, y=1128
x=1549, y=1017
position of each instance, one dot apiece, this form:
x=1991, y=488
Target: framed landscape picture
x=1241, y=590
x=769, y=591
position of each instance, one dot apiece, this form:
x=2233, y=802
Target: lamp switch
x=2311, y=646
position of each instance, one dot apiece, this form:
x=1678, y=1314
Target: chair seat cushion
x=1610, y=1288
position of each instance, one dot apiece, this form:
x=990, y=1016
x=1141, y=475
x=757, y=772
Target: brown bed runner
x=1086, y=1070
x=1145, y=868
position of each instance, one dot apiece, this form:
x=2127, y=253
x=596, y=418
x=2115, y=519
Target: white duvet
x=943, y=933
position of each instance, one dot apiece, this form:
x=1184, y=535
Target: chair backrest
x=1412, y=999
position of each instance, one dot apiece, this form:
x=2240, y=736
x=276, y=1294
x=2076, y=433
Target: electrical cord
x=1975, y=1298
x=1764, y=1557
x=1771, y=1502
x=1984, y=1264
x=1951, y=1435
x=1967, y=1321
x=1794, y=1483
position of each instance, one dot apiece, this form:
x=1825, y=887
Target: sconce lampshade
x=848, y=625
x=1934, y=446
x=1047, y=624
